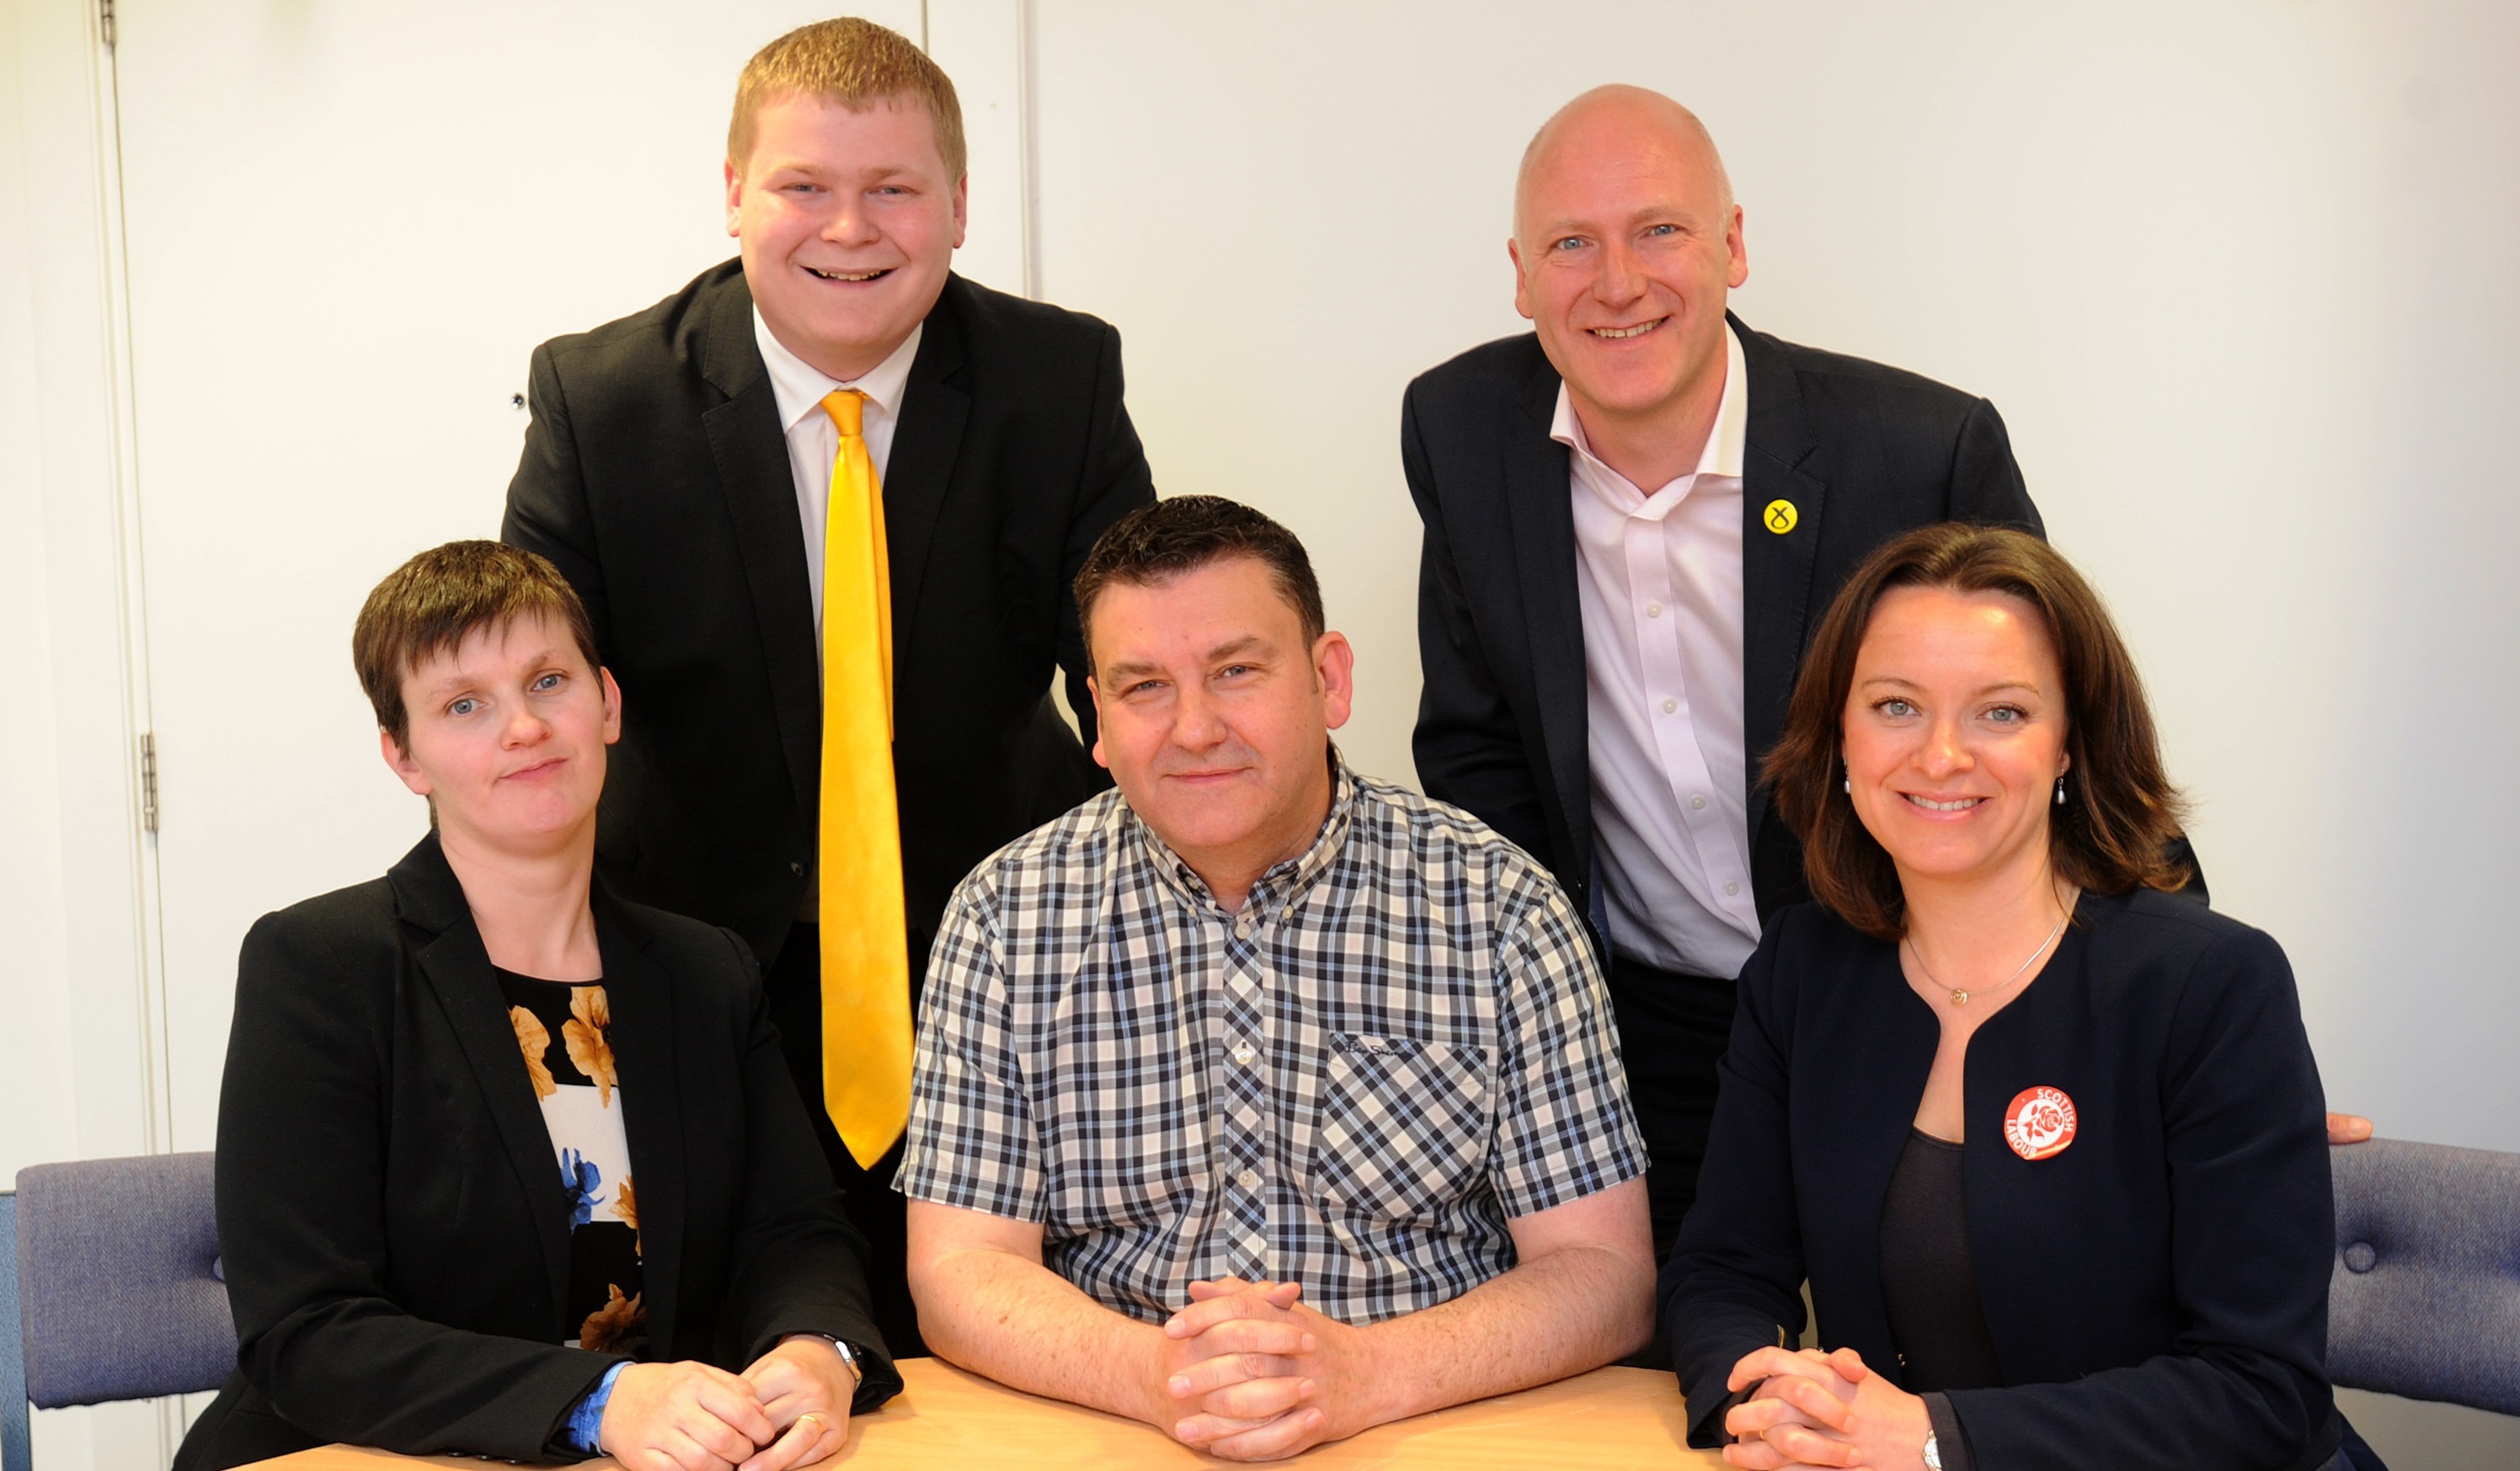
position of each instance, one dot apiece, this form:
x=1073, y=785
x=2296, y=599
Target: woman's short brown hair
x=2122, y=812
x=431, y=604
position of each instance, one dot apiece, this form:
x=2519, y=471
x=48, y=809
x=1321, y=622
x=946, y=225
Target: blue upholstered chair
x=2425, y=1299
x=116, y=1292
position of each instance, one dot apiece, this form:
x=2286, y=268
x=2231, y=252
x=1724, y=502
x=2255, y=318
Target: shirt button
x=1697, y=803
x=1243, y=1053
x=1242, y=929
x=1653, y=609
x=1669, y=705
x=1248, y=1180
x=1732, y=888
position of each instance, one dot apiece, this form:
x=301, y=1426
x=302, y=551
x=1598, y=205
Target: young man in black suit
x=836, y=410
x=1633, y=518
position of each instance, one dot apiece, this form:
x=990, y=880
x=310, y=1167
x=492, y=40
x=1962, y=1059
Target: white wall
x=2237, y=275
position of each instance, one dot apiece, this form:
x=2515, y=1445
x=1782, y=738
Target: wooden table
x=1607, y=1420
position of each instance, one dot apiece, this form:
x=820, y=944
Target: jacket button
x=2359, y=1258
x=796, y=868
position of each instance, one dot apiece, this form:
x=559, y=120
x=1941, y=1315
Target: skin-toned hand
x=1847, y=1416
x=1332, y=1371
x=682, y=1418
x=805, y=1389
x=1229, y=1361
x=2348, y=1129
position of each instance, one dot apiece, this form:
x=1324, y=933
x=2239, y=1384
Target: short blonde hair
x=856, y=64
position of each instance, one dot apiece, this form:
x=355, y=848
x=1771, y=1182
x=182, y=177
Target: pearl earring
x=1849, y=784
x=2060, y=789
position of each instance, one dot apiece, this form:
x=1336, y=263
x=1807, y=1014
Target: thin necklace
x=1961, y=997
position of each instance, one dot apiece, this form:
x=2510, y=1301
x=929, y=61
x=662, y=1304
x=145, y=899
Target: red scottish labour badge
x=2040, y=1123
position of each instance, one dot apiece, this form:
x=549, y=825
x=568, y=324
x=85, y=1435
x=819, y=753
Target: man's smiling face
x=1626, y=244
x=848, y=225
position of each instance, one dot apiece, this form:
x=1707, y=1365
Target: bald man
x=1635, y=515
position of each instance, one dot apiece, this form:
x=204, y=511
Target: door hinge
x=149, y=782
x=105, y=10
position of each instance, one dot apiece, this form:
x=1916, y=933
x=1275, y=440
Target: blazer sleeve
x=2253, y=1239
x=1733, y=1282
x=1468, y=748
x=1117, y=481
x=300, y=1186
x=1986, y=483
x=547, y=506
x=799, y=1265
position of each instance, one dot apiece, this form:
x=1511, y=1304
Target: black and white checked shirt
x=1401, y=1043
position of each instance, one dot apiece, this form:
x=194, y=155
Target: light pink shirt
x=814, y=441
x=1659, y=577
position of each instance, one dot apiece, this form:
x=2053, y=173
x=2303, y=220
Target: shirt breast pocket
x=1404, y=1126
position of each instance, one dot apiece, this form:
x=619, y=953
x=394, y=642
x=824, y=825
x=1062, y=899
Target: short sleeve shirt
x=1401, y=1043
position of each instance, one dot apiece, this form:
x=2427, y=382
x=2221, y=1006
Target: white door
x=349, y=222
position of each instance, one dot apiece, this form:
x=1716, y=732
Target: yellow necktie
x=866, y=948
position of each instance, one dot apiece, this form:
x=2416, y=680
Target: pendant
x=1960, y=998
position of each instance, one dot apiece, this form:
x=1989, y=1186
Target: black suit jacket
x=2156, y=1292
x=656, y=475
x=390, y=1215
x=1864, y=452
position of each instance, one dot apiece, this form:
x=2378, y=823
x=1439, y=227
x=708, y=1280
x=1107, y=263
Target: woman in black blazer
x=2046, y=1140
x=508, y=1167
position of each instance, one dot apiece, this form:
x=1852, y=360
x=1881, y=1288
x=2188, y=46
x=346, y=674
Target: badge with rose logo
x=2040, y=1123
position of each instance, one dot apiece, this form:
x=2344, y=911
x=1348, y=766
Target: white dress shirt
x=814, y=441
x=1659, y=577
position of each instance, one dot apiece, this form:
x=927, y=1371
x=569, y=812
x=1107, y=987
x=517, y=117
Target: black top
x=656, y=475
x=1927, y=1285
x=564, y=1033
x=2156, y=1291
x=395, y=1229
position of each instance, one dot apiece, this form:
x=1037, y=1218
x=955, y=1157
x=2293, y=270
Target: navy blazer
x=391, y=1216
x=1864, y=453
x=2156, y=1292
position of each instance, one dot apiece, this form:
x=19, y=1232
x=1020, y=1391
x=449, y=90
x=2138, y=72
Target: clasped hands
x=1821, y=1409
x=1250, y=1374
x=789, y=1408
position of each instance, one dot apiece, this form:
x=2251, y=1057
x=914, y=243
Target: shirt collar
x=1724, y=446
x=800, y=385
x=1285, y=881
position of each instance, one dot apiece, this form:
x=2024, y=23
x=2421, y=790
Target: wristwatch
x=1933, y=1454
x=857, y=1369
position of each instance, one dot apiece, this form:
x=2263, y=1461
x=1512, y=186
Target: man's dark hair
x=429, y=605
x=1157, y=543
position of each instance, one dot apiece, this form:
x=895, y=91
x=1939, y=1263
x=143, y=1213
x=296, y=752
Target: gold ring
x=810, y=1415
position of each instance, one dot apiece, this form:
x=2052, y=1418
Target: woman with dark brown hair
x=2045, y=1139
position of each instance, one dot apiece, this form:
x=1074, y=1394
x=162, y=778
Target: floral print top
x=564, y=1030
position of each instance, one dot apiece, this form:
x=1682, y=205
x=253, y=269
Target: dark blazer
x=1864, y=452
x=391, y=1218
x=656, y=475
x=2156, y=1292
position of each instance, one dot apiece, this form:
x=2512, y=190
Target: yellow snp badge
x=1780, y=517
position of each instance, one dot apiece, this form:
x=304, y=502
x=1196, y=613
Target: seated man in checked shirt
x=1259, y=1101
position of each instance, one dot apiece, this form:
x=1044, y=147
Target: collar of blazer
x=1780, y=460
x=446, y=945
x=751, y=454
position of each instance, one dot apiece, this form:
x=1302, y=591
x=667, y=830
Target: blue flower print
x=584, y=1182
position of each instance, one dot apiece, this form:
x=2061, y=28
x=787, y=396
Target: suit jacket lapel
x=1541, y=512
x=642, y=995
x=751, y=447
x=457, y=971
x=1776, y=567
x=925, y=446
